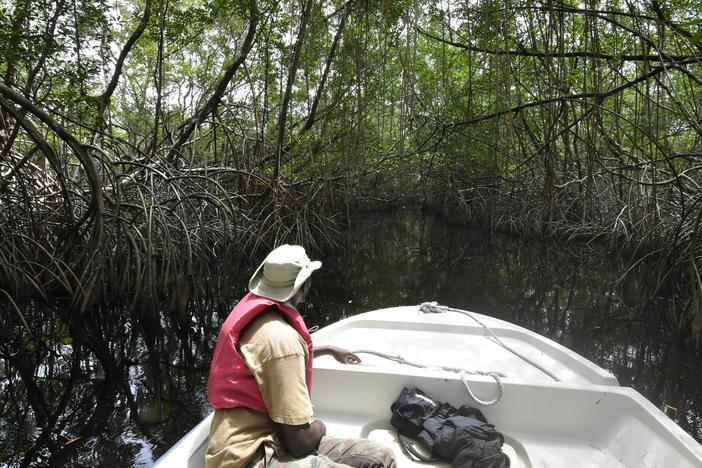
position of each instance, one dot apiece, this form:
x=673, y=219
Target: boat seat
x=389, y=438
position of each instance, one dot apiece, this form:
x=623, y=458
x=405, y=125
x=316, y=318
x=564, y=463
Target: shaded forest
x=141, y=138
x=144, y=143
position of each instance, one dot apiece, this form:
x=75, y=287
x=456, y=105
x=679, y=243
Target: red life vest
x=230, y=383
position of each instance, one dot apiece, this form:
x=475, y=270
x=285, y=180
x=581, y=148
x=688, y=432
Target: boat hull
x=556, y=408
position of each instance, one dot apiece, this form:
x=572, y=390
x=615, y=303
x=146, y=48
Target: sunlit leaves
x=696, y=26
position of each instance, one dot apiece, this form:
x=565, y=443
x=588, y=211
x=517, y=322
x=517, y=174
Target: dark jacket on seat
x=462, y=436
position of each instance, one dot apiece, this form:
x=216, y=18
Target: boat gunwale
x=587, y=370
x=329, y=373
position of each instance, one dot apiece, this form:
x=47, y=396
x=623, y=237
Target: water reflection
x=120, y=385
x=576, y=295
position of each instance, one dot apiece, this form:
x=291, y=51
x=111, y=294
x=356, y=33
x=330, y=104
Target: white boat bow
x=554, y=407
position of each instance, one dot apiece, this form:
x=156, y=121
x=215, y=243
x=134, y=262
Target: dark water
x=572, y=294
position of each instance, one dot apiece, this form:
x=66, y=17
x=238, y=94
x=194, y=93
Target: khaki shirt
x=277, y=356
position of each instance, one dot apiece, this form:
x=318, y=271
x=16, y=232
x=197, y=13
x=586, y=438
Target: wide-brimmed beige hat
x=282, y=273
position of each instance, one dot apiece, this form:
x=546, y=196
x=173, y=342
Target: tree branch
x=573, y=97
x=106, y=96
x=282, y=117
x=213, y=101
x=96, y=207
x=576, y=54
x=325, y=75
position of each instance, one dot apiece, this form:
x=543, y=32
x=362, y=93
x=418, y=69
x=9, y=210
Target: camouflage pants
x=332, y=453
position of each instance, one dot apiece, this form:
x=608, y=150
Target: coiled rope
x=435, y=308
x=463, y=373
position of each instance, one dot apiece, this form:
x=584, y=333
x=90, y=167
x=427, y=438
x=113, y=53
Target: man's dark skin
x=299, y=440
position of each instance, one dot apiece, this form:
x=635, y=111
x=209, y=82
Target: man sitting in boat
x=260, y=378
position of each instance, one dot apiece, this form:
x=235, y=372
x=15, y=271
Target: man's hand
x=340, y=354
x=303, y=439
x=345, y=357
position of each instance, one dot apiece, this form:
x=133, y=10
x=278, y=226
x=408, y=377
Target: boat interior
x=555, y=408
x=543, y=425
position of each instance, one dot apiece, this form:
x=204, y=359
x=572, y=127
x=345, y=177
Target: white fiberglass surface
x=189, y=452
x=555, y=425
x=465, y=351
x=466, y=347
x=578, y=422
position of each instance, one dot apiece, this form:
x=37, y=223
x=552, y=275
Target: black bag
x=461, y=436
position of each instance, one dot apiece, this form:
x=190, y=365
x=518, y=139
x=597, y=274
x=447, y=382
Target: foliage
x=142, y=140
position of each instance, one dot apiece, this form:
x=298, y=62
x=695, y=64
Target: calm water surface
x=572, y=294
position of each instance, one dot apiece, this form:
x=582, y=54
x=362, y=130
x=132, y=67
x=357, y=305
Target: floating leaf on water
x=73, y=440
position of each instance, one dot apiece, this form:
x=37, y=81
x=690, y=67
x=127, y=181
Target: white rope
x=500, y=390
x=402, y=360
x=463, y=373
x=434, y=308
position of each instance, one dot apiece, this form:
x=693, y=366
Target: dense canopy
x=143, y=141
x=138, y=136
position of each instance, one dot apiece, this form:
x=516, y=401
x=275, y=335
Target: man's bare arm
x=301, y=440
x=340, y=354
